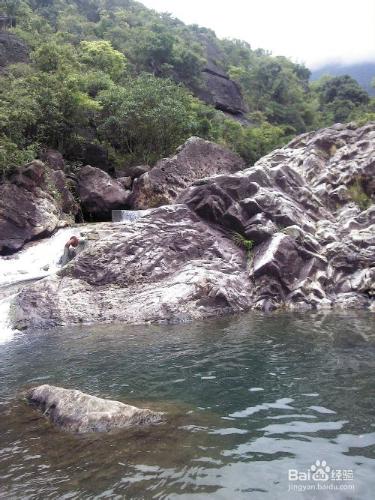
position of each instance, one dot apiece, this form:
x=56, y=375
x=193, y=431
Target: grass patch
x=359, y=196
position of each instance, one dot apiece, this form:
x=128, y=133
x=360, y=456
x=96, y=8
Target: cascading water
x=128, y=215
x=37, y=260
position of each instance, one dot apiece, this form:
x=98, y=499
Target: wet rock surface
x=75, y=411
x=194, y=160
x=33, y=203
x=191, y=259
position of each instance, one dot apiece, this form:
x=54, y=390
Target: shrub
x=12, y=157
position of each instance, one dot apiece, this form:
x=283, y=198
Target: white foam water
x=6, y=332
x=37, y=260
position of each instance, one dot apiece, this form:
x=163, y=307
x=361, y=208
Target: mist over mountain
x=363, y=72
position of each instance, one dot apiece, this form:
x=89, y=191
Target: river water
x=247, y=399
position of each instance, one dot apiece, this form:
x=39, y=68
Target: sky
x=314, y=32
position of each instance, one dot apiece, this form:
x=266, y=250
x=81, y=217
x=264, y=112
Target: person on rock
x=71, y=249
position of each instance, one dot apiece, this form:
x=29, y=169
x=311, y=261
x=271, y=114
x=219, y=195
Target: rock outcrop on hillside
x=217, y=89
x=308, y=208
x=222, y=93
x=194, y=160
x=75, y=411
x=12, y=50
x=33, y=203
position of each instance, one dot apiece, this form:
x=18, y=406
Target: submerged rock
x=194, y=160
x=75, y=411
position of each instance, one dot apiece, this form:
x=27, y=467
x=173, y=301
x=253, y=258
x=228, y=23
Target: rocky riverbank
x=296, y=230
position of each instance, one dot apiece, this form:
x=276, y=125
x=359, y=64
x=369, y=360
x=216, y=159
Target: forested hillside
x=111, y=83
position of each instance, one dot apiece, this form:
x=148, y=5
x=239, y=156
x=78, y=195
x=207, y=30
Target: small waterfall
x=128, y=215
x=37, y=260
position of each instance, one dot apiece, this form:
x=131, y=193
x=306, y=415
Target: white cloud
x=310, y=31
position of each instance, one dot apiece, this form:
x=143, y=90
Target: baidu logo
x=320, y=471
x=321, y=476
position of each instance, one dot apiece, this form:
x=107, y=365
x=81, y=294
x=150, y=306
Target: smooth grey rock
x=75, y=411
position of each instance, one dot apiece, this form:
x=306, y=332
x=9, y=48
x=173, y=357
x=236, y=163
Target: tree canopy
x=122, y=76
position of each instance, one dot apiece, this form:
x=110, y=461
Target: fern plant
x=242, y=242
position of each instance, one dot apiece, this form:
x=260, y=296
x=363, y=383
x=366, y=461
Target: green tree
x=341, y=98
x=147, y=119
x=102, y=56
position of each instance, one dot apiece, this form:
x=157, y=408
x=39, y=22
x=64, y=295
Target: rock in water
x=75, y=411
x=167, y=266
x=194, y=160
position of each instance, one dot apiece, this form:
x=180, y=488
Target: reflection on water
x=247, y=399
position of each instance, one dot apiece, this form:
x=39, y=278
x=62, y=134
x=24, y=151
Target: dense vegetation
x=113, y=73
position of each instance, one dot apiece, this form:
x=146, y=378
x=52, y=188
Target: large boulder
x=194, y=160
x=33, y=203
x=133, y=172
x=166, y=266
x=75, y=411
x=222, y=93
x=89, y=152
x=53, y=159
x=100, y=194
